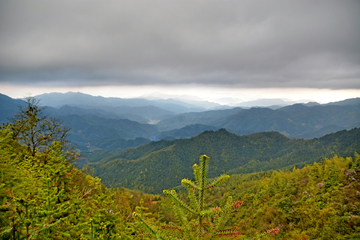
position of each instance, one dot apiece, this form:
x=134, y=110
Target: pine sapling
x=195, y=221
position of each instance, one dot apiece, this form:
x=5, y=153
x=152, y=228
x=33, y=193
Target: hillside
x=42, y=196
x=185, y=132
x=8, y=107
x=94, y=118
x=161, y=165
x=85, y=129
x=207, y=118
x=294, y=121
x=103, y=112
x=319, y=201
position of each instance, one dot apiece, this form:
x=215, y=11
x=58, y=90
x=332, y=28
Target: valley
x=283, y=162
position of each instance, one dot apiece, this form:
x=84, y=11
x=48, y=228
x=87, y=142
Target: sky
x=221, y=51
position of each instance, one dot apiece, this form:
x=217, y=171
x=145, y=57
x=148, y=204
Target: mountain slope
x=8, y=107
x=161, y=165
x=207, y=118
x=86, y=129
x=104, y=113
x=185, y=132
x=293, y=121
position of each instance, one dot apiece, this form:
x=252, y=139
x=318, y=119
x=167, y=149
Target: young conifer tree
x=195, y=221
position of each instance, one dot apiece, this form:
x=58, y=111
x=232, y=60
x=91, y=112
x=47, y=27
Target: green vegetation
x=162, y=165
x=42, y=196
x=319, y=201
x=185, y=132
x=203, y=223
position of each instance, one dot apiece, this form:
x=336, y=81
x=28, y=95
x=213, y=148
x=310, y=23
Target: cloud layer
x=245, y=44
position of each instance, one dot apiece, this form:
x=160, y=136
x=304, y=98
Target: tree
x=31, y=128
x=207, y=222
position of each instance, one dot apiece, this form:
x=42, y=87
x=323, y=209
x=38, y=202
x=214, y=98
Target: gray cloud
x=312, y=44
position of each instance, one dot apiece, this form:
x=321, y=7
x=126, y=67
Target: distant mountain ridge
x=86, y=115
x=87, y=101
x=295, y=121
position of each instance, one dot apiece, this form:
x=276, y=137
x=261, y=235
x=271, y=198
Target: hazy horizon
x=191, y=98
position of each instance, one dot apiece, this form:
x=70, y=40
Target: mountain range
x=93, y=118
x=162, y=164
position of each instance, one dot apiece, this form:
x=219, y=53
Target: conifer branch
x=189, y=184
x=193, y=200
x=219, y=180
x=223, y=216
x=153, y=231
x=180, y=214
x=209, y=221
x=196, y=173
x=183, y=220
x=174, y=196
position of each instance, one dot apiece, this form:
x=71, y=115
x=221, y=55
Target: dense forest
x=43, y=196
x=160, y=165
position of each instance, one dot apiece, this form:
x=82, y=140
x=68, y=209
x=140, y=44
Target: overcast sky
x=234, y=49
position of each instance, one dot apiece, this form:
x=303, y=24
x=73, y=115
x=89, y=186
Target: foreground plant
x=195, y=221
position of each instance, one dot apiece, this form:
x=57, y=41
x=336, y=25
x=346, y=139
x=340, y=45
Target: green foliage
x=52, y=199
x=38, y=132
x=196, y=222
x=42, y=196
x=161, y=165
x=319, y=201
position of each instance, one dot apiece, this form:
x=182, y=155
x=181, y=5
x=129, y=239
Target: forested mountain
x=183, y=133
x=319, y=201
x=68, y=110
x=160, y=165
x=207, y=118
x=85, y=129
x=92, y=118
x=294, y=121
x=51, y=200
x=43, y=196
